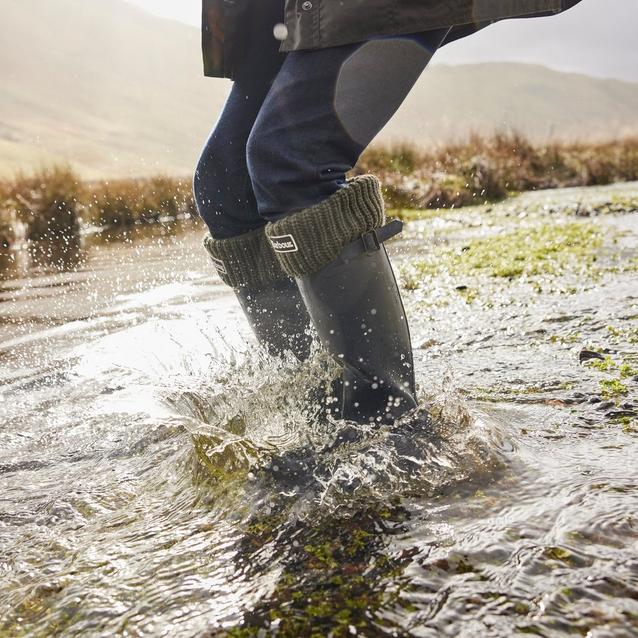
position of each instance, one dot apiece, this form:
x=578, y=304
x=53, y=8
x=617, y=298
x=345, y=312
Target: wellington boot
x=268, y=296
x=278, y=317
x=356, y=308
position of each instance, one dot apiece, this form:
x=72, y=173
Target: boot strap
x=372, y=240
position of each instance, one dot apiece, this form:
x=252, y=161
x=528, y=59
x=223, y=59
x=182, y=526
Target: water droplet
x=280, y=31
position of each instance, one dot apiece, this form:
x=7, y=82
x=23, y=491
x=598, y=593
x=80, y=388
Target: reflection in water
x=9, y=264
x=163, y=476
x=70, y=251
x=140, y=232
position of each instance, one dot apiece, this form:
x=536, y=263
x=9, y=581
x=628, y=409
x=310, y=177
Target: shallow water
x=161, y=476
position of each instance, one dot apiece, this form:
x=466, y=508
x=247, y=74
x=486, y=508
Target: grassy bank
x=490, y=168
x=53, y=202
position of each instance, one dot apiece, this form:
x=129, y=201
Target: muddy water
x=160, y=476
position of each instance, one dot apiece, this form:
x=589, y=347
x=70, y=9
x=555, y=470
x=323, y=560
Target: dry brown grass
x=488, y=168
x=53, y=203
x=121, y=203
x=47, y=202
x=8, y=219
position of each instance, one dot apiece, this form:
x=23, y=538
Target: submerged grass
x=621, y=373
x=337, y=583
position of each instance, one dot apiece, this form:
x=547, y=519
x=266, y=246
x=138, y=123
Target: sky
x=188, y=11
x=597, y=37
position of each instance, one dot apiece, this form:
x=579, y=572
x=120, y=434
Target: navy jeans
x=296, y=123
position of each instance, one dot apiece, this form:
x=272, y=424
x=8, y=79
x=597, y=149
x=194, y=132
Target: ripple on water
x=197, y=492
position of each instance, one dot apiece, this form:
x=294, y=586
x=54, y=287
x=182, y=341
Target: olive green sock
x=306, y=241
x=247, y=260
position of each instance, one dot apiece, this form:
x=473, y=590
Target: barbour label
x=284, y=244
x=219, y=265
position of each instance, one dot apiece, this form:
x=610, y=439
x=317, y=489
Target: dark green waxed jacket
x=317, y=24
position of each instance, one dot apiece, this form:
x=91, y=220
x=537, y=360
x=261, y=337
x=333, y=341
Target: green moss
x=498, y=393
x=469, y=294
x=464, y=567
x=629, y=425
x=605, y=365
x=242, y=632
x=543, y=250
x=612, y=388
x=322, y=554
x=558, y=553
x=340, y=577
x=221, y=467
x=567, y=339
x=530, y=629
x=358, y=542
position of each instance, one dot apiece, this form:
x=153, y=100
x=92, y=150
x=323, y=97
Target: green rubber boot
x=335, y=251
x=269, y=298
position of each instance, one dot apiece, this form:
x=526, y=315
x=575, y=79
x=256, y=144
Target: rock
x=587, y=355
x=620, y=414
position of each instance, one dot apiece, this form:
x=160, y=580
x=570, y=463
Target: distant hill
x=596, y=38
x=450, y=101
x=116, y=91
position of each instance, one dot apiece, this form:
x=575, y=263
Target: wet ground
x=160, y=476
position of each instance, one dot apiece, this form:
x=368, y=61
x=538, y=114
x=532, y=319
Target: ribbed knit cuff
x=247, y=260
x=308, y=240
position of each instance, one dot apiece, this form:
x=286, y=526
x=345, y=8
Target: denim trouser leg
x=323, y=109
x=222, y=186
x=295, y=123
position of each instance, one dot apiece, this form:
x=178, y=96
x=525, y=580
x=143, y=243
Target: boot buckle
x=370, y=241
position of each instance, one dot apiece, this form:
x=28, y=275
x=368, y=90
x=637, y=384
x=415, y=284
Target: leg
x=222, y=185
x=322, y=111
x=225, y=199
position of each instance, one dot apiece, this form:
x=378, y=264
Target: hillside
x=451, y=101
x=104, y=85
x=595, y=38
x=116, y=91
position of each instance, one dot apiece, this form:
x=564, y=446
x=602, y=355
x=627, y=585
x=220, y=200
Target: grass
x=619, y=374
x=542, y=250
x=122, y=203
x=612, y=388
x=53, y=203
x=46, y=202
x=338, y=581
x=489, y=168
